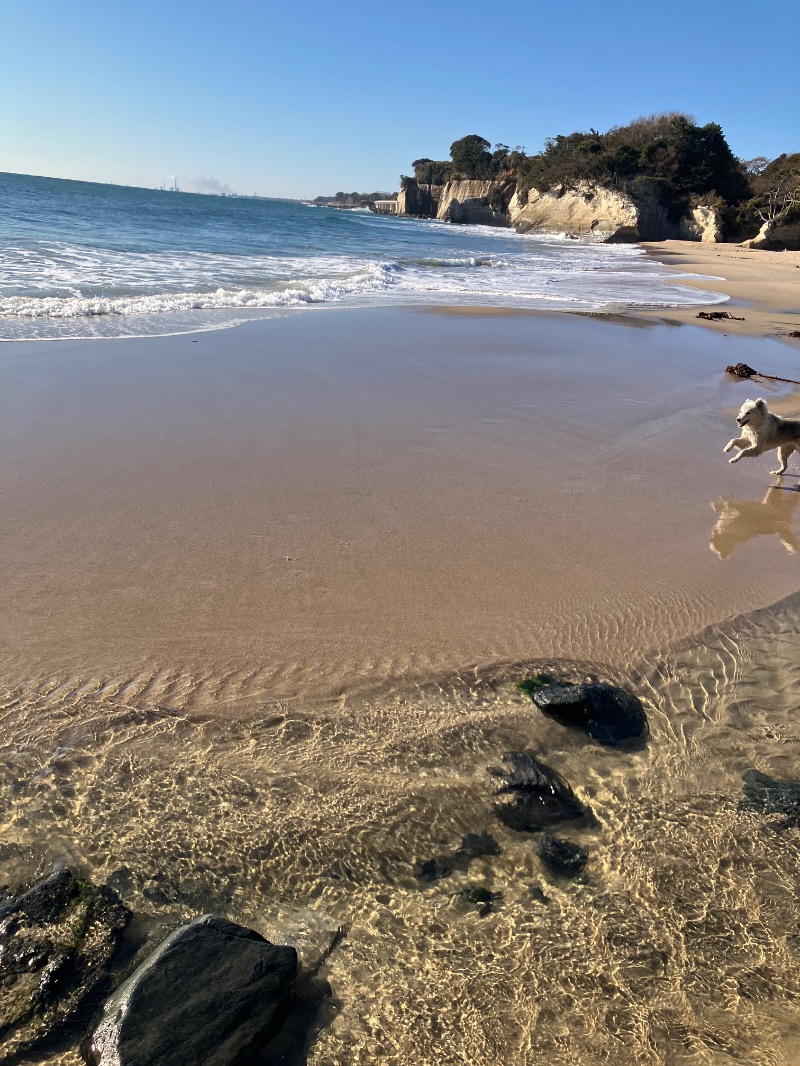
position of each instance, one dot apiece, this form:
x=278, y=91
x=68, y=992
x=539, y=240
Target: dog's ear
x=760, y=401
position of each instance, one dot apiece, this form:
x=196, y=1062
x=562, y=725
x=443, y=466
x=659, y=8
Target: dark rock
x=436, y=868
x=481, y=897
x=610, y=715
x=535, y=796
x=473, y=846
x=212, y=994
x=561, y=857
x=55, y=941
x=476, y=845
x=768, y=795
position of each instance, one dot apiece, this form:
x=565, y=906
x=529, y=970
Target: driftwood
x=715, y=316
x=745, y=372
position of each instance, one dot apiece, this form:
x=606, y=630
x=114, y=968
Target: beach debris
x=715, y=316
x=534, y=796
x=473, y=846
x=794, y=333
x=212, y=992
x=561, y=857
x=769, y=795
x=608, y=714
x=55, y=941
x=742, y=370
x=481, y=897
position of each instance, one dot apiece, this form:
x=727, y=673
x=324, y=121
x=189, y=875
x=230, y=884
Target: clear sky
x=306, y=98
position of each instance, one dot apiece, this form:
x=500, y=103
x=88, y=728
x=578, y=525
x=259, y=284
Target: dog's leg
x=784, y=452
x=737, y=442
x=746, y=453
x=789, y=541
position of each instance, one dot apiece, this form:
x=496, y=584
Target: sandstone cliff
x=600, y=212
x=702, y=224
x=477, y=202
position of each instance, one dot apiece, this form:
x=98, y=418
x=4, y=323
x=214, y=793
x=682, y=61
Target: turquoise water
x=79, y=259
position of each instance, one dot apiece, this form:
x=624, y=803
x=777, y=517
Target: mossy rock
x=55, y=941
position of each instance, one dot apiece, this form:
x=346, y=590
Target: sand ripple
x=681, y=946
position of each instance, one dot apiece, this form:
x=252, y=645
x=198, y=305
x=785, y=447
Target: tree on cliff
x=777, y=196
x=472, y=158
x=432, y=171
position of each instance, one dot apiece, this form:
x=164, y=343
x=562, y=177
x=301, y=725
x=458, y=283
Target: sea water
x=79, y=259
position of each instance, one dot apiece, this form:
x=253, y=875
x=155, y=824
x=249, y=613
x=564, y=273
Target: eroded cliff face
x=702, y=224
x=418, y=201
x=600, y=212
x=597, y=211
x=586, y=210
x=472, y=202
x=457, y=201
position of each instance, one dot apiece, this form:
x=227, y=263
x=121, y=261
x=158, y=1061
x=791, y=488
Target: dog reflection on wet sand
x=743, y=520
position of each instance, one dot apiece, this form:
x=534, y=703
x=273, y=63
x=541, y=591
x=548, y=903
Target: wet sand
x=268, y=592
x=293, y=506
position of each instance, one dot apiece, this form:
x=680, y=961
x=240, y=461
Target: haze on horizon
x=299, y=101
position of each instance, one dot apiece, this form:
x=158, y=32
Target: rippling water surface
x=680, y=945
x=79, y=259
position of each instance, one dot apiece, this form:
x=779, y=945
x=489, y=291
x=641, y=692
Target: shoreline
x=762, y=287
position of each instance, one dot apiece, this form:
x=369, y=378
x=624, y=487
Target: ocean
x=83, y=260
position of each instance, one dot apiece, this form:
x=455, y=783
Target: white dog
x=764, y=431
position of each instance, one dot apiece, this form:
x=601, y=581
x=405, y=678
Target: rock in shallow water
x=561, y=857
x=212, y=994
x=610, y=715
x=535, y=796
x=481, y=897
x=55, y=941
x=473, y=846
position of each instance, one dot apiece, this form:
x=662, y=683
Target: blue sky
x=309, y=98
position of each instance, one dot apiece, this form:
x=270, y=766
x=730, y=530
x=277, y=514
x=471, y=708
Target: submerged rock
x=473, y=846
x=55, y=941
x=481, y=897
x=561, y=857
x=610, y=715
x=535, y=796
x=436, y=868
x=768, y=795
x=476, y=845
x=213, y=993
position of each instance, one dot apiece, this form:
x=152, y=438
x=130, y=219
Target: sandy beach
x=267, y=594
x=764, y=287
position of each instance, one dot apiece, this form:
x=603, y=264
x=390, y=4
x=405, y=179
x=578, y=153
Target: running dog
x=764, y=431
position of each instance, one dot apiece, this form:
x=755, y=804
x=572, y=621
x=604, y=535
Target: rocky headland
x=660, y=178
